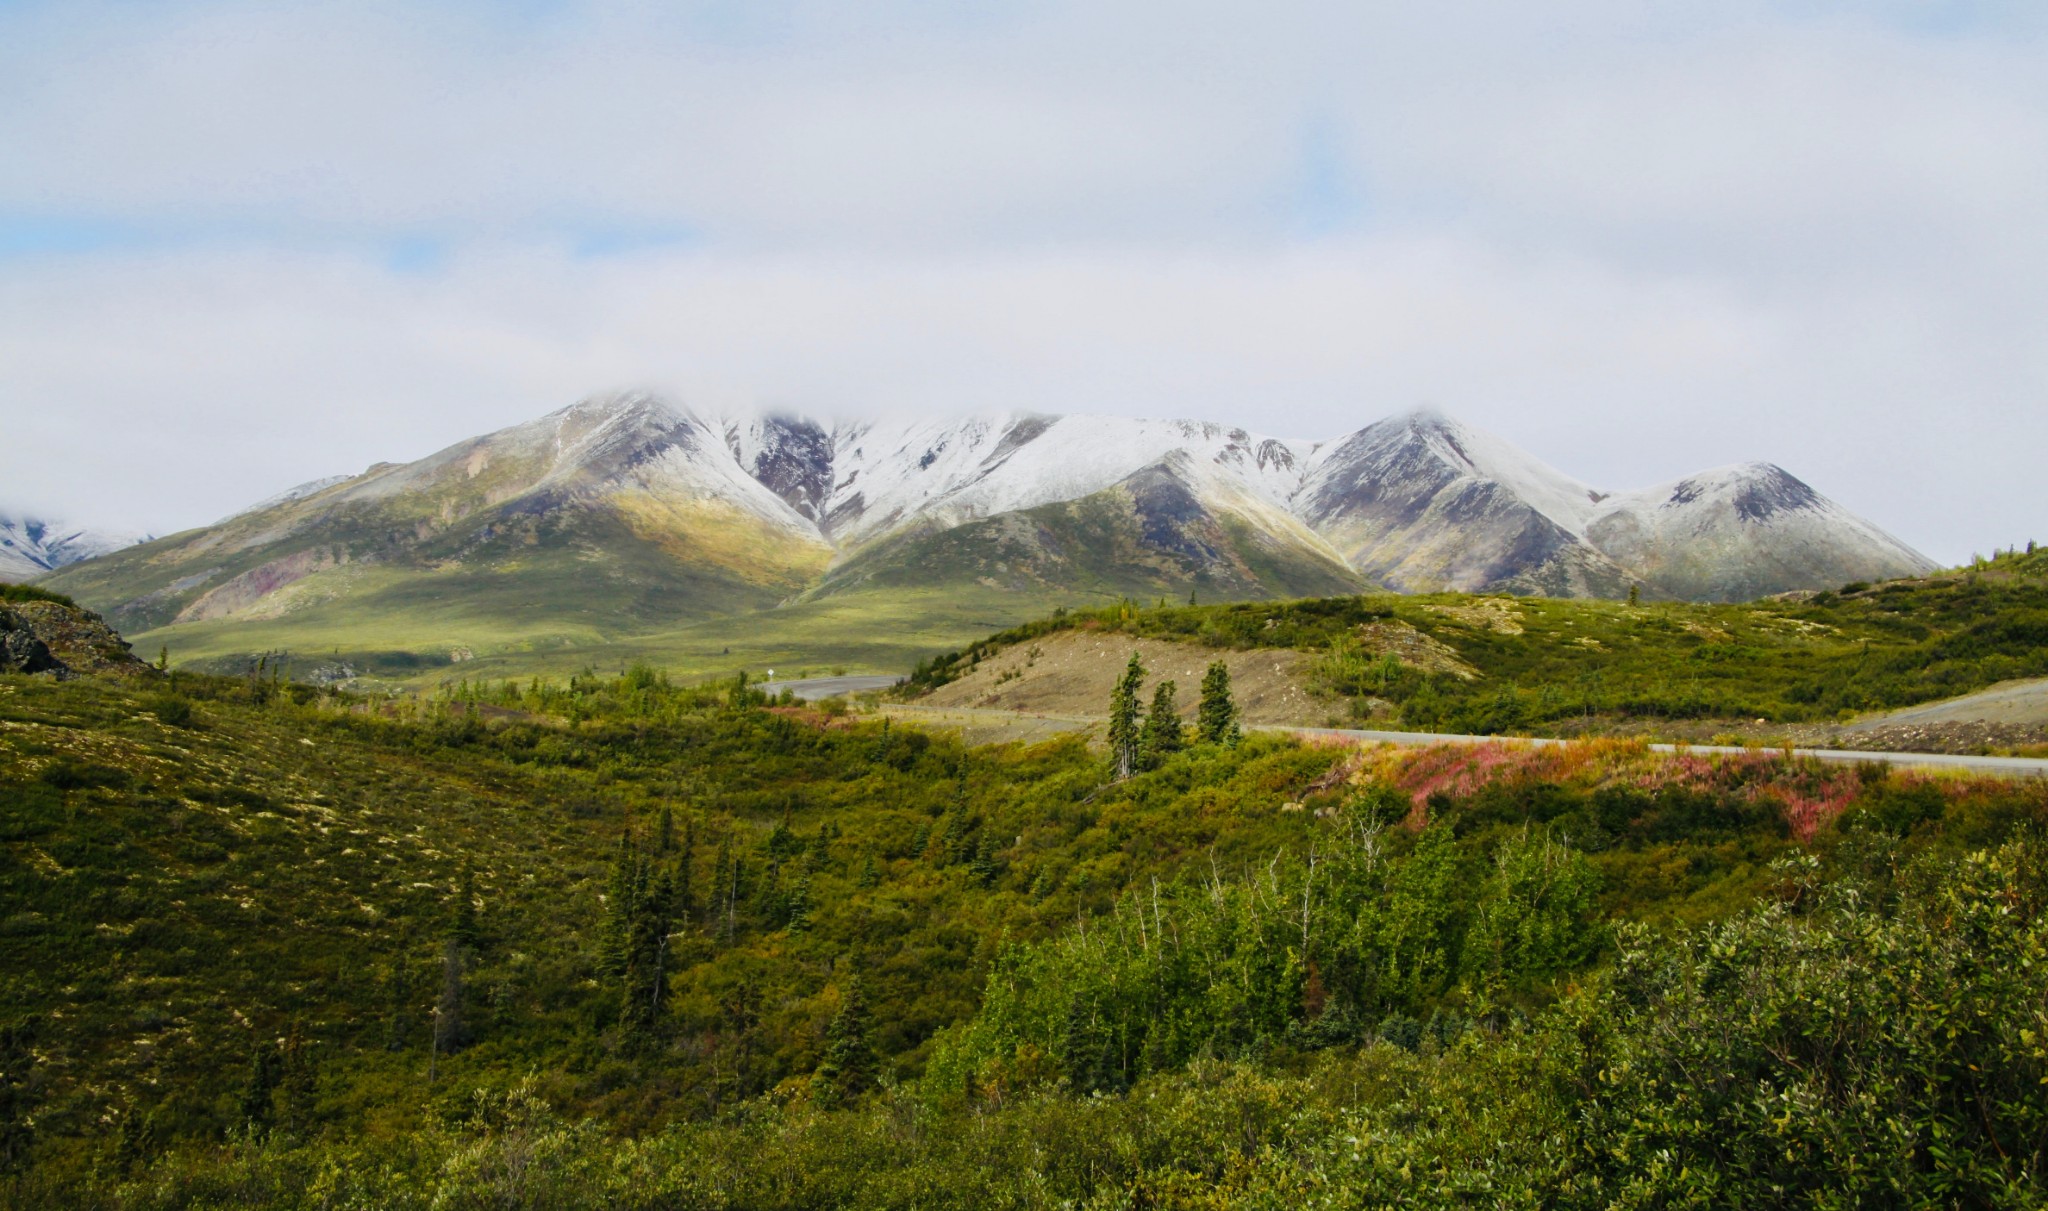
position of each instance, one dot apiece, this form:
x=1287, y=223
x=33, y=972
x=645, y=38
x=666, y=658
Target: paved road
x=810, y=689
x=2035, y=767
x=2024, y=703
x=2020, y=767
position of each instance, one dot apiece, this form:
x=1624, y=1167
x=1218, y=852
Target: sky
x=246, y=245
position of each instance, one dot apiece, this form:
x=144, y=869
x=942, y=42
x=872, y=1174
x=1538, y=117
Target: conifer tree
x=253, y=1108
x=1161, y=736
x=1123, y=719
x=1216, y=719
x=17, y=1126
x=985, y=868
x=798, y=904
x=728, y=890
x=849, y=1066
x=957, y=846
x=686, y=885
x=298, y=1084
x=649, y=920
x=870, y=875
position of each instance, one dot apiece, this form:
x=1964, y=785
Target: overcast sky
x=247, y=245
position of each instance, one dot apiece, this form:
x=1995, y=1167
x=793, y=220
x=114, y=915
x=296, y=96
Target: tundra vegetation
x=1549, y=666
x=625, y=943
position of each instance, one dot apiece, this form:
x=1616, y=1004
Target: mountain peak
x=1756, y=491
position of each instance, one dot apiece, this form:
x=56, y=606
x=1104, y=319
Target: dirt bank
x=1071, y=674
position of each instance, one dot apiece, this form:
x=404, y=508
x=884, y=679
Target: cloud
x=244, y=244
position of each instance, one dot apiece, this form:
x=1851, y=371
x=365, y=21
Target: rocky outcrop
x=63, y=640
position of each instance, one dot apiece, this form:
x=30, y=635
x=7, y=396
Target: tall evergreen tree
x=1123, y=719
x=17, y=1125
x=253, y=1108
x=728, y=890
x=623, y=889
x=985, y=868
x=1216, y=719
x=650, y=920
x=850, y=1065
x=1161, y=736
x=298, y=1084
x=686, y=875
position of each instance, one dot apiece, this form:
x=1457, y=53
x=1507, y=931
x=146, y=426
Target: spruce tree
x=645, y=975
x=985, y=868
x=298, y=1084
x=1161, y=737
x=253, y=1108
x=17, y=1106
x=1216, y=719
x=797, y=903
x=1123, y=719
x=850, y=1065
x=686, y=886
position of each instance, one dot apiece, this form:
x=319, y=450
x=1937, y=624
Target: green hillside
x=1459, y=663
x=617, y=942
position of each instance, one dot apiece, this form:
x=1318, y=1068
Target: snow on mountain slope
x=31, y=546
x=1423, y=502
x=1742, y=531
x=312, y=487
x=632, y=442
x=949, y=472
x=739, y=507
x=1183, y=524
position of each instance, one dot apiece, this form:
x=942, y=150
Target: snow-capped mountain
x=630, y=509
x=31, y=546
x=1738, y=532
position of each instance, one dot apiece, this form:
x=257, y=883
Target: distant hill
x=1555, y=666
x=633, y=526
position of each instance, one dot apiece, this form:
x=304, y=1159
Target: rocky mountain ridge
x=626, y=513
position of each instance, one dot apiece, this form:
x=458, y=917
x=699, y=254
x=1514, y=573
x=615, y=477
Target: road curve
x=2011, y=767
x=811, y=689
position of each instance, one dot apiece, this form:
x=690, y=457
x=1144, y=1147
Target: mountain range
x=33, y=546
x=629, y=514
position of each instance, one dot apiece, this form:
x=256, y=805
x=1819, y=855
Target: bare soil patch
x=1071, y=673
